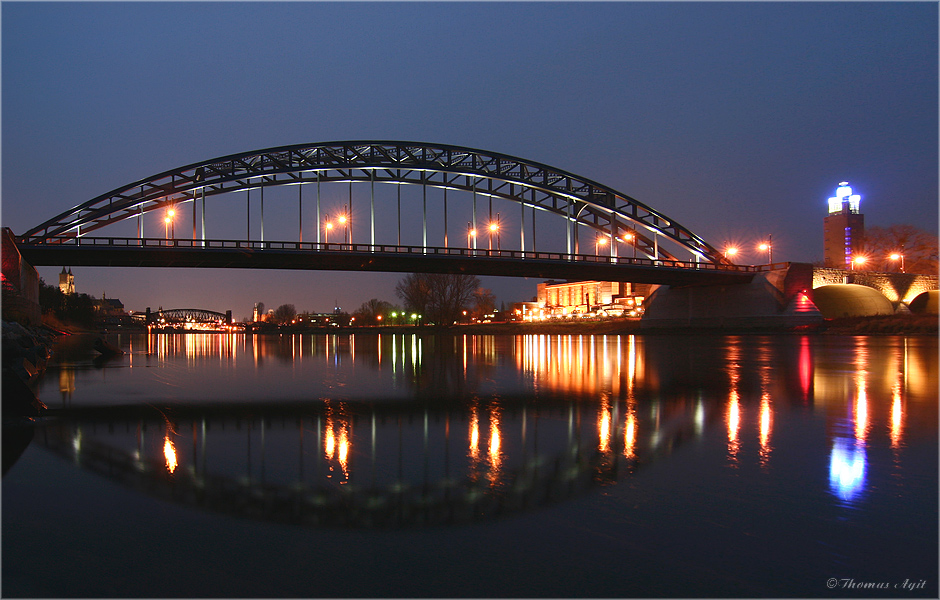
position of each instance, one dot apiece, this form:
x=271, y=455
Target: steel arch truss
x=576, y=199
x=193, y=315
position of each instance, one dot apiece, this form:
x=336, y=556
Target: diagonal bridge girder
x=574, y=198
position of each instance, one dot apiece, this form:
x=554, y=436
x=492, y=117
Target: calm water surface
x=479, y=466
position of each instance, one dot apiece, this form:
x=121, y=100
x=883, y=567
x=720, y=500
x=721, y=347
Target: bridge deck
x=242, y=254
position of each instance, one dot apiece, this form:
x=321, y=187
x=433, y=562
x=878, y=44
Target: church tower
x=67, y=282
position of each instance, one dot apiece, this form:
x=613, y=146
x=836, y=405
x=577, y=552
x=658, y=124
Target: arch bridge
x=188, y=315
x=627, y=240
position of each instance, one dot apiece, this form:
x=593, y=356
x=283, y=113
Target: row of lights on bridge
x=599, y=242
x=763, y=246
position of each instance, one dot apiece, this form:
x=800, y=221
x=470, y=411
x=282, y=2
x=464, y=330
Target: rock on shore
x=25, y=354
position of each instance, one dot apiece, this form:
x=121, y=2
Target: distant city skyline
x=737, y=119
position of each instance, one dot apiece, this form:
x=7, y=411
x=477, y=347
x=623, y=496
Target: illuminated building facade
x=601, y=298
x=67, y=282
x=844, y=228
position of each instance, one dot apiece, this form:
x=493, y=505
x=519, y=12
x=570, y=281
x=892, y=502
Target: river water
x=208, y=465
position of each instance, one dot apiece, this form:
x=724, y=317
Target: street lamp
x=768, y=247
x=168, y=223
x=898, y=256
x=858, y=260
x=471, y=233
x=494, y=228
x=328, y=227
x=630, y=238
x=599, y=241
x=730, y=252
x=343, y=220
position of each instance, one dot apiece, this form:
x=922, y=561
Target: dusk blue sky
x=738, y=119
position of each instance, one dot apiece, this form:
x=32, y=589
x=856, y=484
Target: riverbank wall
x=20, y=284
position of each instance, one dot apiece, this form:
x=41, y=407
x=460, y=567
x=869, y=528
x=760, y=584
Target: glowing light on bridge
x=494, y=228
x=168, y=224
x=767, y=247
x=897, y=256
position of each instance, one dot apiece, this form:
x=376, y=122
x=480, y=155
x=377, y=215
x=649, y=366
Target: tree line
x=438, y=298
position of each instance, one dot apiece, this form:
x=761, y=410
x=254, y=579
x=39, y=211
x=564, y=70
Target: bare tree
x=415, y=292
x=918, y=248
x=369, y=312
x=438, y=297
x=284, y=314
x=484, y=302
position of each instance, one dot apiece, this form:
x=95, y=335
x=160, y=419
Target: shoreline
x=906, y=324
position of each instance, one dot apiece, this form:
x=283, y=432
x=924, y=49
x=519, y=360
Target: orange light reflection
x=897, y=416
x=169, y=452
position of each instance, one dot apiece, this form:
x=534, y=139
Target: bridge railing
x=356, y=248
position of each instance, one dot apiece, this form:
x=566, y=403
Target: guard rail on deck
x=364, y=249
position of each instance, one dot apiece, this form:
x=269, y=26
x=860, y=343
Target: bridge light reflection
x=766, y=423
x=629, y=434
x=897, y=416
x=494, y=455
x=169, y=453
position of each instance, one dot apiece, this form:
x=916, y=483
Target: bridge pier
x=775, y=299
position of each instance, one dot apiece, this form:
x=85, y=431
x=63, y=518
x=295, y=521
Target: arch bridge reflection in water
x=571, y=412
x=361, y=464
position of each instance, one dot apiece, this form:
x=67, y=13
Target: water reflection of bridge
x=357, y=464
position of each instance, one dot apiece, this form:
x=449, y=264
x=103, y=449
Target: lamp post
x=630, y=238
x=768, y=247
x=327, y=227
x=344, y=221
x=471, y=233
x=895, y=256
x=730, y=253
x=858, y=260
x=598, y=242
x=168, y=224
x=494, y=228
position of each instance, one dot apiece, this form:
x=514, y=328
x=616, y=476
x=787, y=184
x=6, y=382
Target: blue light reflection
x=847, y=468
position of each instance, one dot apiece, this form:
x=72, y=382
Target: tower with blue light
x=844, y=228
